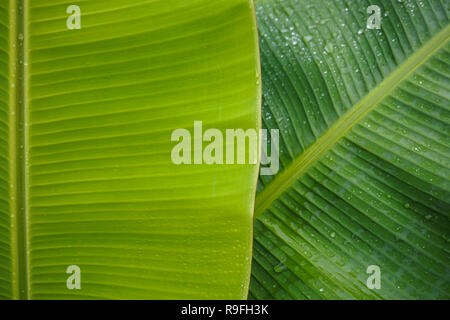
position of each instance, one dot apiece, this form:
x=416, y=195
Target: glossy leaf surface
x=364, y=120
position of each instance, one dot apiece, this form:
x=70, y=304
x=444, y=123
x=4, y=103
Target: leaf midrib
x=338, y=130
x=18, y=146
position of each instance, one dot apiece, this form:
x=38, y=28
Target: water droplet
x=307, y=38
x=279, y=268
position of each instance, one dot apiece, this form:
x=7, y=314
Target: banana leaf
x=90, y=93
x=363, y=114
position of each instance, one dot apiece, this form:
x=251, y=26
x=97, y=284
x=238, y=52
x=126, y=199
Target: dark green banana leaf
x=364, y=122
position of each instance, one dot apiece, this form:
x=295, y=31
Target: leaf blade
x=102, y=191
x=340, y=216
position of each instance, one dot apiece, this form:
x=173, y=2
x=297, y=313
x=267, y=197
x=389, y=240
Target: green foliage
x=86, y=172
x=364, y=121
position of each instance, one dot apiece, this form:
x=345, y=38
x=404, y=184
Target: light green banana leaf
x=87, y=184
